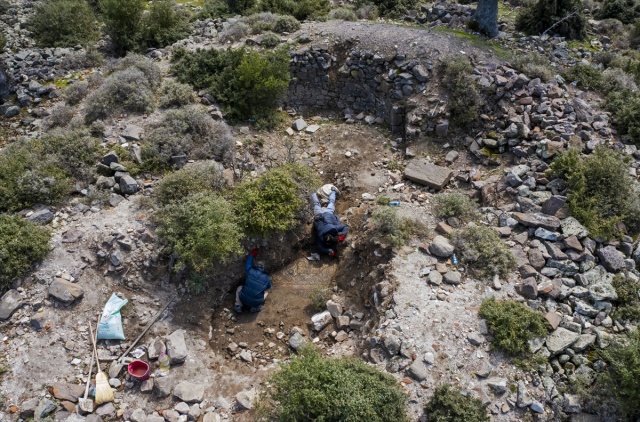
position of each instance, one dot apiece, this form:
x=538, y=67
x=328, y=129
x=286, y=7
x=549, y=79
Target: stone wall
x=360, y=82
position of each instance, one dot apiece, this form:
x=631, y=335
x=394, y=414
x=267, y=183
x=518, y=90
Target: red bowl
x=139, y=370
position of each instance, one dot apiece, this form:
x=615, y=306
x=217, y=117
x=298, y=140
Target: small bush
x=601, y=192
x=622, y=378
x=213, y=9
x=122, y=22
x=195, y=178
x=449, y=405
x=234, y=32
x=314, y=388
x=166, y=23
x=482, y=249
x=22, y=244
x=202, y=230
x=143, y=64
x=63, y=23
x=626, y=11
x=541, y=15
x=616, y=80
x=625, y=106
x=447, y=205
x=239, y=7
x=273, y=202
x=287, y=24
x=394, y=8
x=76, y=92
x=301, y=10
x=628, y=303
x=175, y=94
x=126, y=90
x=395, y=229
x=190, y=131
x=261, y=22
x=198, y=68
x=585, y=75
x=60, y=116
x=319, y=297
x=83, y=59
x=634, y=35
x=512, y=325
x=368, y=12
x=464, y=98
x=270, y=40
x=534, y=66
x=343, y=13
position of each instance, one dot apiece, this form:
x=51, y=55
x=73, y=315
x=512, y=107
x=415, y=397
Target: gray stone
x=426, y=173
x=548, y=222
x=498, y=385
x=420, y=73
x=28, y=408
x=528, y=288
x=176, y=347
x=155, y=348
x=171, y=415
x=189, y=392
x=523, y=399
x=138, y=415
x=211, y=417
x=195, y=412
x=442, y=129
x=128, y=185
x=475, y=338
x=67, y=392
x=452, y=277
x=222, y=403
x=552, y=205
x=312, y=128
x=435, y=278
x=107, y=411
x=584, y=342
x=155, y=418
x=296, y=341
x=321, y=320
x=418, y=371
x=561, y=339
x=572, y=227
x=441, y=247
x=611, y=258
x=299, y=125
x=537, y=407
x=245, y=399
x=65, y=291
x=116, y=258
x=12, y=111
x=572, y=403
x=335, y=309
x=110, y=157
x=246, y=356
x=45, y=407
x=182, y=408
x=393, y=344
x=179, y=161
x=451, y=156
x=132, y=133
x=115, y=199
x=10, y=302
x=43, y=216
x=486, y=17
x=536, y=259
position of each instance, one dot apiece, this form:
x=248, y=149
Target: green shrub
x=541, y=15
x=83, y=59
x=60, y=116
x=195, y=178
x=534, y=66
x=213, y=9
x=628, y=303
x=482, y=249
x=625, y=106
x=449, y=405
x=175, y=94
x=395, y=229
x=239, y=7
x=189, y=130
x=622, y=377
x=601, y=192
x=634, y=34
x=76, y=92
x=248, y=84
x=270, y=40
x=63, y=23
x=286, y=24
x=394, y=8
x=512, y=325
x=202, y=230
x=166, y=23
x=626, y=11
x=125, y=90
x=314, y=388
x=616, y=80
x=301, y=10
x=343, y=14
x=272, y=203
x=22, y=244
x=122, y=22
x=586, y=75
x=319, y=297
x=464, y=98
x=143, y=64
x=456, y=204
x=260, y=22
x=368, y=12
x=234, y=32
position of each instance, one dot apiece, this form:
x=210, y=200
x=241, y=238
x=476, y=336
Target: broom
x=104, y=393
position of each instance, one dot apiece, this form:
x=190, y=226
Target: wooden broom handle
x=93, y=341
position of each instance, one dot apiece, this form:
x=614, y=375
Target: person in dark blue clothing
x=329, y=230
x=256, y=286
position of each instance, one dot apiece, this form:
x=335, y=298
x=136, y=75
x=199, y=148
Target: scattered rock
x=10, y=302
x=176, y=347
x=245, y=399
x=560, y=339
x=428, y=174
x=441, y=247
x=189, y=392
x=297, y=341
x=321, y=320
x=65, y=291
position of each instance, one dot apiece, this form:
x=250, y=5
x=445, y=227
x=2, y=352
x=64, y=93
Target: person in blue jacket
x=329, y=230
x=256, y=286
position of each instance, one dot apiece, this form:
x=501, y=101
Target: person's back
x=257, y=282
x=326, y=224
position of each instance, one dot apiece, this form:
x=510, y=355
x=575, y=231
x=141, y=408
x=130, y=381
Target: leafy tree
x=122, y=19
x=203, y=230
x=626, y=11
x=314, y=388
x=63, y=23
x=165, y=24
x=22, y=244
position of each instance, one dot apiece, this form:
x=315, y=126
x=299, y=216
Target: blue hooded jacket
x=256, y=283
x=328, y=223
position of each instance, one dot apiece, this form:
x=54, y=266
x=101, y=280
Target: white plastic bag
x=110, y=327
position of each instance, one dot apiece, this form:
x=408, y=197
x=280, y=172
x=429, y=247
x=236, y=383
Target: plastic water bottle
x=454, y=258
x=394, y=203
x=163, y=361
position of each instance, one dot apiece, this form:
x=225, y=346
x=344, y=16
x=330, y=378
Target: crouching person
x=256, y=286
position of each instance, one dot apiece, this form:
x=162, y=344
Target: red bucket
x=139, y=370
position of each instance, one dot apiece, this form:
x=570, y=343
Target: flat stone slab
x=548, y=222
x=10, y=302
x=65, y=291
x=189, y=392
x=428, y=174
x=560, y=340
x=132, y=133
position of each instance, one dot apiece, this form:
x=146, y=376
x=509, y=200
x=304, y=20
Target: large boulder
x=128, y=185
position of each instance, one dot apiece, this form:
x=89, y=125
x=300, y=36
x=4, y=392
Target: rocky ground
x=415, y=318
